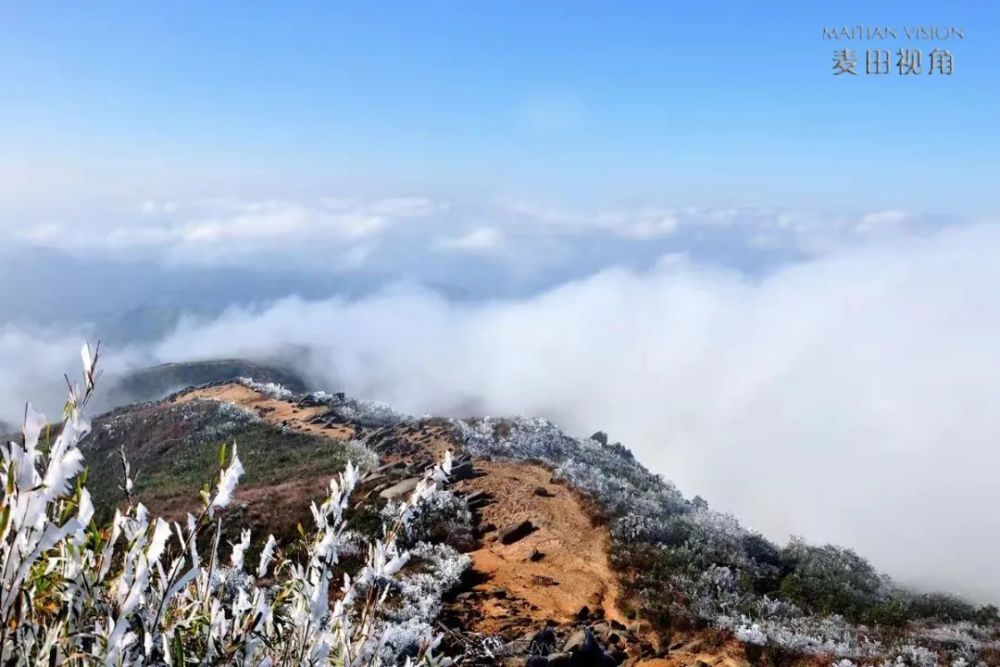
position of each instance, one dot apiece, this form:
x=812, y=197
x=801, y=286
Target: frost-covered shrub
x=751, y=634
x=230, y=418
x=139, y=591
x=370, y=414
x=442, y=517
x=363, y=456
x=680, y=558
x=272, y=389
x=434, y=569
x=831, y=579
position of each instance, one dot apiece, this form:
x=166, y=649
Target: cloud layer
x=848, y=397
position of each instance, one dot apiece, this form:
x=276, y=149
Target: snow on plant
x=751, y=634
x=371, y=414
x=713, y=561
x=364, y=456
x=140, y=591
x=438, y=568
x=442, y=512
x=271, y=389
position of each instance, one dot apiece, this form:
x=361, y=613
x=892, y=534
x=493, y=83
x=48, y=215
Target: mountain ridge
x=674, y=581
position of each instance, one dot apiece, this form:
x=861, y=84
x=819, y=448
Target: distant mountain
x=579, y=555
x=156, y=382
x=143, y=301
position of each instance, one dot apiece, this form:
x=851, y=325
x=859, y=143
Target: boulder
x=575, y=642
x=600, y=437
x=586, y=651
x=601, y=630
x=400, y=489
x=542, y=642
x=560, y=659
x=516, y=531
x=461, y=471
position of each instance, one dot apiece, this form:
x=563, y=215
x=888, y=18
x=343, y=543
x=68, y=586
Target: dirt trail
x=573, y=571
x=272, y=410
x=570, y=568
x=544, y=577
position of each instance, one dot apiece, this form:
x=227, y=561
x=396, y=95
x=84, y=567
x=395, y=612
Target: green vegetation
x=173, y=450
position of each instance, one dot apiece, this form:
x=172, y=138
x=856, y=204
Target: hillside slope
x=578, y=554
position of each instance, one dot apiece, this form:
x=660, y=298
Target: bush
x=140, y=592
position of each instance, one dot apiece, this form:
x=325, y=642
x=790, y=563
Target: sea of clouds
x=848, y=397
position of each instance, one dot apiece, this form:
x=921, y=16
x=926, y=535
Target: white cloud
x=240, y=232
x=849, y=398
x=479, y=240
x=881, y=220
x=45, y=233
x=641, y=225
x=806, y=231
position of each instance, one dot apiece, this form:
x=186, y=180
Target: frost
x=138, y=592
x=751, y=634
x=714, y=562
x=271, y=389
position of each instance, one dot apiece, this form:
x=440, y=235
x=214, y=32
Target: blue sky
x=707, y=104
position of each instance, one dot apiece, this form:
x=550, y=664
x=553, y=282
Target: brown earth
x=572, y=571
x=272, y=410
x=544, y=578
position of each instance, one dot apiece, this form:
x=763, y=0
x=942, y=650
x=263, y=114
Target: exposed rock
x=498, y=592
x=560, y=659
x=576, y=641
x=400, y=488
x=586, y=651
x=388, y=466
x=461, y=471
x=600, y=437
x=535, y=556
x=583, y=613
x=477, y=499
x=601, y=630
x=543, y=492
x=542, y=642
x=515, y=532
